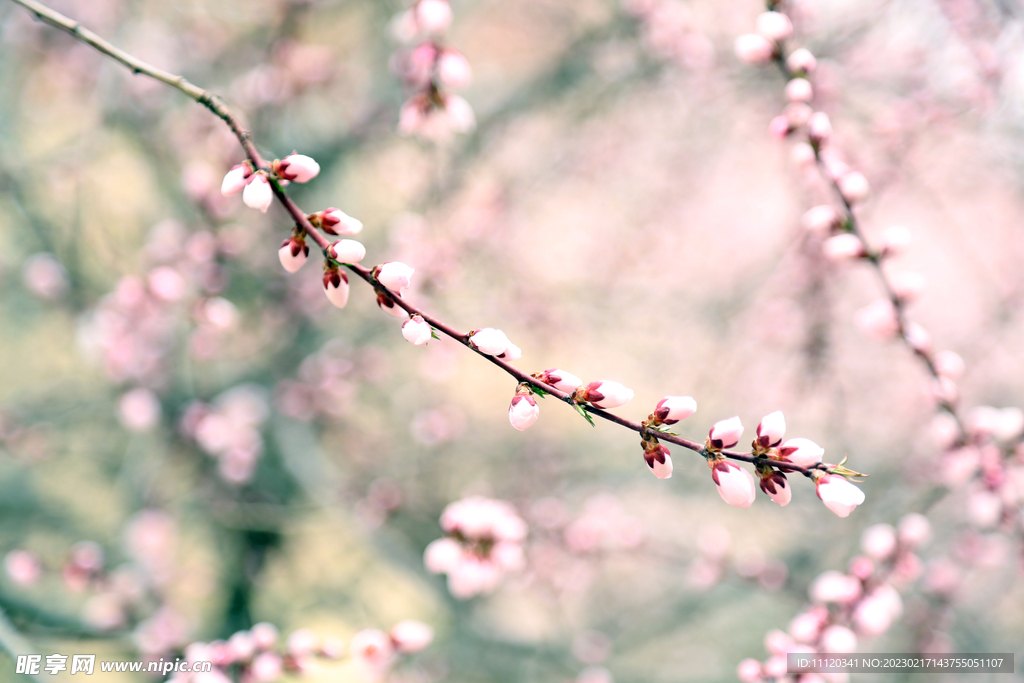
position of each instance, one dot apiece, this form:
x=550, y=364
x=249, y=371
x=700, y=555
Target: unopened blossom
x=489, y=340
x=726, y=433
x=264, y=635
x=373, y=651
x=139, y=409
x=335, y=284
x=511, y=352
x=523, y=411
x=854, y=187
x=411, y=636
x=432, y=16
x=453, y=70
x=949, y=364
x=388, y=305
x=819, y=128
x=735, y=484
x=836, y=587
x=754, y=49
x=798, y=114
x=336, y=222
x=442, y=555
x=659, y=459
x=876, y=612
x=838, y=494
x=22, y=567
x=843, y=247
x=822, y=218
x=799, y=90
x=895, y=240
x=801, y=61
x=44, y=276
x=917, y=337
x=347, y=251
x=604, y=394
x=806, y=626
x=266, y=667
x=779, y=127
x=878, y=320
x=914, y=530
x=838, y=639
x=436, y=118
x=242, y=646
x=417, y=331
x=672, y=409
x=771, y=429
x=293, y=253
x=560, y=379
x=908, y=285
x=235, y=179
x=749, y=671
x=257, y=193
x=775, y=484
x=395, y=275
x=1002, y=424
x=774, y=26
x=879, y=541
x=801, y=452
x=297, y=168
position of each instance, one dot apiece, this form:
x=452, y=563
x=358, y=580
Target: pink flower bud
x=523, y=411
x=417, y=331
x=838, y=494
x=799, y=90
x=395, y=275
x=837, y=587
x=843, y=247
x=442, y=555
x=301, y=643
x=777, y=487
x=771, y=429
x=779, y=127
x=257, y=193
x=139, y=410
x=410, y=636
x=802, y=155
x=801, y=452
x=822, y=218
x=264, y=635
x=819, y=128
x=754, y=49
x=459, y=114
x=879, y=541
x=774, y=26
x=735, y=484
x=44, y=276
x=453, y=70
x=347, y=251
x=854, y=187
x=876, y=612
x=806, y=626
x=235, y=179
x=489, y=341
x=373, y=651
x=914, y=530
x=511, y=352
x=672, y=409
x=726, y=433
x=297, y=168
x=561, y=380
x=267, y=667
x=907, y=286
x=895, y=240
x=388, y=305
x=336, y=222
x=22, y=567
x=838, y=639
x=659, y=459
x=433, y=16
x=949, y=364
x=918, y=337
x=801, y=61
x=336, y=287
x=293, y=253
x=605, y=394
x=878, y=320
x=241, y=646
x=749, y=671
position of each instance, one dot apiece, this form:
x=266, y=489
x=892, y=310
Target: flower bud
x=837, y=587
x=335, y=286
x=907, y=286
x=604, y=394
x=822, y=219
x=257, y=193
x=293, y=253
x=235, y=179
x=915, y=530
x=949, y=364
x=771, y=429
x=726, y=433
x=854, y=187
x=417, y=331
x=774, y=483
x=453, y=70
x=297, y=167
x=843, y=247
x=878, y=320
x=779, y=127
x=749, y=671
x=774, y=26
x=672, y=409
x=388, y=305
x=801, y=452
x=799, y=90
x=489, y=341
x=895, y=240
x=754, y=49
x=560, y=379
x=801, y=61
x=838, y=494
x=395, y=275
x=735, y=484
x=819, y=128
x=433, y=16
x=838, y=639
x=879, y=541
x=347, y=251
x=918, y=338
x=336, y=222
x=659, y=459
x=410, y=637
x=523, y=411
x=511, y=352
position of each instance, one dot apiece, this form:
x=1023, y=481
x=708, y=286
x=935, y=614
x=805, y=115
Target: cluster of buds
x=669, y=411
x=255, y=184
x=432, y=72
x=483, y=542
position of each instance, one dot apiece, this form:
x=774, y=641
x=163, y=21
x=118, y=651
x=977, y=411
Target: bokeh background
x=620, y=211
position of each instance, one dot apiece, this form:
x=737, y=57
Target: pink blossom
x=878, y=320
x=139, y=410
x=838, y=494
x=257, y=193
x=838, y=639
x=347, y=251
x=442, y=555
x=511, y=352
x=659, y=459
x=779, y=127
x=777, y=488
x=523, y=411
x=388, y=305
x=726, y=433
x=167, y=283
x=453, y=70
x=754, y=49
x=822, y=218
x=774, y=26
x=801, y=61
x=843, y=247
x=799, y=90
x=298, y=168
x=336, y=222
x=672, y=409
x=749, y=671
x=417, y=331
x=264, y=635
x=735, y=484
x=266, y=667
x=433, y=16
x=819, y=128
x=373, y=651
x=293, y=253
x=335, y=284
x=301, y=643
x=919, y=338
x=879, y=541
x=854, y=187
x=489, y=341
x=410, y=636
x=837, y=587
x=802, y=154
x=806, y=626
x=605, y=394
x=907, y=286
x=44, y=276
x=561, y=380
x=242, y=646
x=914, y=530
x=22, y=567
x=235, y=179
x=395, y=275
x=771, y=429
x=949, y=364
x=895, y=240
x=876, y=612
x=799, y=113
